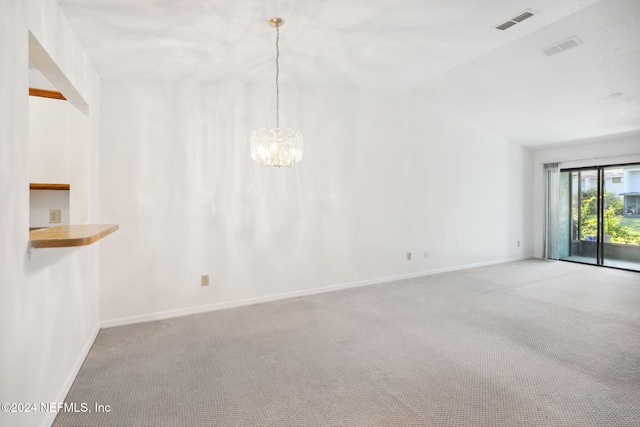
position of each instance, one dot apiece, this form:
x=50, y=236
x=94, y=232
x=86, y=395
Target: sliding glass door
x=599, y=216
x=621, y=218
x=579, y=215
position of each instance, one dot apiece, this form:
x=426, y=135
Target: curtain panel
x=551, y=210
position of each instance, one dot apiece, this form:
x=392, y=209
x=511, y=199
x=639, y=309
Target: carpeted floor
x=530, y=343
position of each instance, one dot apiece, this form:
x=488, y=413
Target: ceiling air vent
x=562, y=46
x=518, y=19
x=522, y=16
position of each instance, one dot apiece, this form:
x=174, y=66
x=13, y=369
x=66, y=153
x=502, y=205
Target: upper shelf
x=44, y=93
x=64, y=236
x=38, y=186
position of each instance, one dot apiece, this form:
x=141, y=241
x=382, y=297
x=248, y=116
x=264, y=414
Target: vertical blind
x=551, y=206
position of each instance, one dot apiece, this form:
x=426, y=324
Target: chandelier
x=276, y=147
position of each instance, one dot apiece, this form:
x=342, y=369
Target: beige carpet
x=531, y=343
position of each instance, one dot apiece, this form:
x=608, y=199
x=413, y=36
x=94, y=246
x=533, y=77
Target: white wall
x=38, y=80
x=383, y=174
x=49, y=140
x=471, y=191
x=600, y=152
x=49, y=310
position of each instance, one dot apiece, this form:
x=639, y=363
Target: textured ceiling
x=447, y=51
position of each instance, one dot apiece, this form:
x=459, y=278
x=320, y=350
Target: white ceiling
x=446, y=51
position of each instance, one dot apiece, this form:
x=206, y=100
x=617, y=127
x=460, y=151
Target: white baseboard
x=51, y=416
x=249, y=301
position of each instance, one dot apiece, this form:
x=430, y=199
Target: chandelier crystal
x=277, y=147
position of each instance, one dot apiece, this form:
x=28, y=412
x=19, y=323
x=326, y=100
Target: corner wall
x=383, y=174
x=49, y=310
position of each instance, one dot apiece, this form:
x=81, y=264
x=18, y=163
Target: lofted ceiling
x=445, y=51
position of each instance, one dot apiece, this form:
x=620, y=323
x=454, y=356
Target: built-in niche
x=59, y=148
x=60, y=159
x=49, y=153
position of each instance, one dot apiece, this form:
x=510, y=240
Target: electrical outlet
x=408, y=256
x=204, y=280
x=54, y=216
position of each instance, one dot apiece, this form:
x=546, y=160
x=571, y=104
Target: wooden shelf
x=37, y=186
x=64, y=236
x=44, y=93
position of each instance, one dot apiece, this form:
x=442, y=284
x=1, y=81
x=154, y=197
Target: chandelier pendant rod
x=277, y=76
